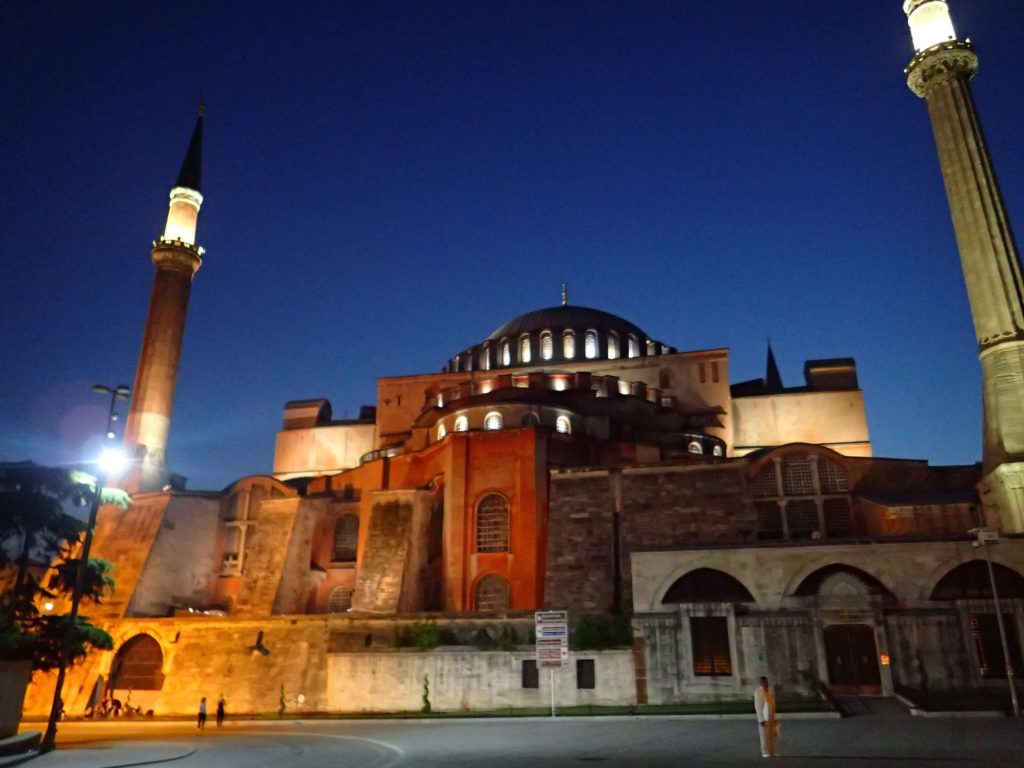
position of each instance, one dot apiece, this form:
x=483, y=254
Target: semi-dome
x=559, y=336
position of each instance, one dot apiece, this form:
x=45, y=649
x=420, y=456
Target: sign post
x=552, y=632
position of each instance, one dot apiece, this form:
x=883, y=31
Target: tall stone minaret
x=940, y=73
x=177, y=258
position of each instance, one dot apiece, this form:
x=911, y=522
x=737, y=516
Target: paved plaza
x=891, y=738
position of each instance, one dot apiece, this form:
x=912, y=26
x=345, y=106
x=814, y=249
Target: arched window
x=346, y=539
x=461, y=424
x=457, y=363
x=493, y=420
x=590, y=345
x=485, y=357
x=613, y=345
x=469, y=361
x=717, y=451
x=563, y=425
x=441, y=431
x=970, y=581
x=492, y=524
x=832, y=477
x=796, y=476
x=530, y=419
x=633, y=344
x=492, y=594
x=547, y=346
x=524, y=348
x=340, y=600
x=652, y=348
x=707, y=585
x=694, y=447
x=506, y=353
x=138, y=665
x=568, y=345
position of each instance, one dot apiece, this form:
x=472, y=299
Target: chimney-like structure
x=176, y=258
x=940, y=73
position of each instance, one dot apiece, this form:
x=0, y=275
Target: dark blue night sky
x=386, y=183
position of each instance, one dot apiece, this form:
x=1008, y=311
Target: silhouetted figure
x=201, y=722
x=220, y=711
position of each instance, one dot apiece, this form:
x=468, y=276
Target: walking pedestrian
x=201, y=722
x=220, y=711
x=767, y=724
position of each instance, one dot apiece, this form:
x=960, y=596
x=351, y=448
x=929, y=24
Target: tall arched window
x=694, y=447
x=138, y=665
x=492, y=594
x=441, y=432
x=346, y=539
x=613, y=345
x=547, y=346
x=493, y=420
x=568, y=345
x=506, y=352
x=524, y=348
x=461, y=424
x=590, y=345
x=633, y=346
x=563, y=425
x=652, y=348
x=485, y=357
x=340, y=600
x=492, y=524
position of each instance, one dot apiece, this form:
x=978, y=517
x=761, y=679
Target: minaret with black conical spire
x=772, y=378
x=176, y=258
x=940, y=73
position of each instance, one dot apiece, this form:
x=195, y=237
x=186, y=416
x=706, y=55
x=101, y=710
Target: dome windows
x=462, y=424
x=563, y=426
x=569, y=345
x=441, y=432
x=493, y=421
x=613, y=345
x=590, y=344
x=485, y=357
x=694, y=447
x=633, y=345
x=524, y=348
x=547, y=346
x=506, y=352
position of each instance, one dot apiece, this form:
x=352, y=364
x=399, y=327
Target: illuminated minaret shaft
x=940, y=73
x=176, y=258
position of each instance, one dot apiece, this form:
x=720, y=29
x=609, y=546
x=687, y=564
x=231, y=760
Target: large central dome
x=558, y=336
x=566, y=316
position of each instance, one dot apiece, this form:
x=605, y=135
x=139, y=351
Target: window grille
x=524, y=349
x=837, y=517
x=492, y=524
x=590, y=345
x=493, y=421
x=563, y=426
x=585, y=677
x=340, y=600
x=569, y=345
x=796, y=476
x=769, y=520
x=462, y=424
x=989, y=646
x=764, y=484
x=492, y=594
x=613, y=345
x=547, y=346
x=346, y=538
x=710, y=639
x=832, y=477
x=802, y=518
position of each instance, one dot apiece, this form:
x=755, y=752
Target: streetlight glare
x=112, y=461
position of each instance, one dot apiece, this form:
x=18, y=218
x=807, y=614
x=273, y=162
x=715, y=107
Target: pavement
x=881, y=739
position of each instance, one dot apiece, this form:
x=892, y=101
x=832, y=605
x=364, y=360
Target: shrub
x=594, y=633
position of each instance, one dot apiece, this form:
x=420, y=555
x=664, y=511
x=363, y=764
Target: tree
x=35, y=529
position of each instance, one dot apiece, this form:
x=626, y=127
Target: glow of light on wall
x=624, y=388
x=930, y=24
x=559, y=384
x=486, y=386
x=884, y=659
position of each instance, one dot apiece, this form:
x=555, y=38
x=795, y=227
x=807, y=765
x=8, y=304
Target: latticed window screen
x=985, y=630
x=801, y=518
x=590, y=345
x=493, y=421
x=547, y=346
x=346, y=538
x=710, y=637
x=569, y=345
x=832, y=477
x=506, y=353
x=613, y=346
x=837, y=517
x=634, y=346
x=769, y=520
x=340, y=600
x=764, y=484
x=492, y=524
x=492, y=594
x=524, y=349
x=796, y=476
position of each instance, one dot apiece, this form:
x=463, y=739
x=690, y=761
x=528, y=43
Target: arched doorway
x=136, y=676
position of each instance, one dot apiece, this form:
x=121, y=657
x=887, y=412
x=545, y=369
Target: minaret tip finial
x=565, y=294
x=202, y=107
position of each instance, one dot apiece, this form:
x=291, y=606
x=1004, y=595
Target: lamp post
x=121, y=392
x=985, y=537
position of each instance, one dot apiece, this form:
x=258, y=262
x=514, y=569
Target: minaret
x=177, y=258
x=940, y=73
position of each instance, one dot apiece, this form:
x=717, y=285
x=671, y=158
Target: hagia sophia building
x=568, y=460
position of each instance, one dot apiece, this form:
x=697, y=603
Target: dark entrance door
x=852, y=659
